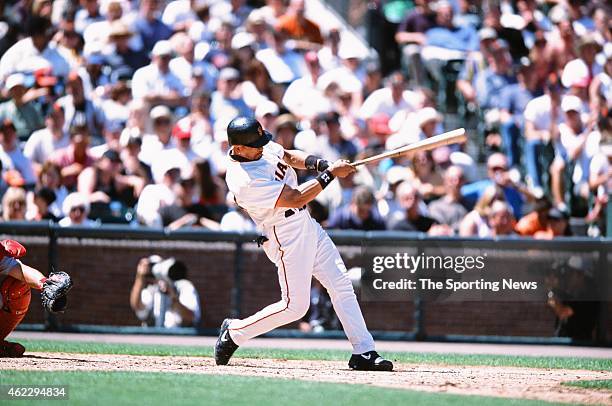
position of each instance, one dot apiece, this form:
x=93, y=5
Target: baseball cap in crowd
x=379, y=124
x=229, y=74
x=575, y=73
x=571, y=103
x=558, y=14
x=242, y=40
x=397, y=174
x=349, y=52
x=588, y=39
x=95, y=58
x=487, y=33
x=265, y=108
x=162, y=48
x=256, y=17
x=160, y=111
x=428, y=114
x=119, y=29
x=112, y=156
x=7, y=122
x=286, y=120
x=16, y=79
x=181, y=132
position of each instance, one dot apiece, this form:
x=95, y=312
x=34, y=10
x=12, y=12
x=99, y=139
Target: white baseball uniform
x=299, y=248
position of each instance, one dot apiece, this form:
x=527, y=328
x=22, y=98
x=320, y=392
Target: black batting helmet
x=247, y=131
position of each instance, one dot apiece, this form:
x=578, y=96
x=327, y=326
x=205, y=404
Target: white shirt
x=537, y=111
x=183, y=69
x=155, y=302
x=234, y=221
x=568, y=140
x=183, y=160
x=149, y=80
x=304, y=99
x=257, y=185
x=178, y=11
x=16, y=58
x=381, y=101
x=67, y=222
x=15, y=160
x=153, y=198
x=42, y=144
x=345, y=78
x=283, y=68
x=151, y=147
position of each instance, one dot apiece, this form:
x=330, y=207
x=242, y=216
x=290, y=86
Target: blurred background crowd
x=115, y=111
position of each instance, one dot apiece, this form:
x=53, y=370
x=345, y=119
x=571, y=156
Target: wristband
x=314, y=163
x=322, y=165
x=325, y=178
x=311, y=162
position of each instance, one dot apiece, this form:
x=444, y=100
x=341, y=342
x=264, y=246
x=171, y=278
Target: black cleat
x=225, y=347
x=369, y=361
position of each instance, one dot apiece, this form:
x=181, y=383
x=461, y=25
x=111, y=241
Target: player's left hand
x=54, y=291
x=341, y=168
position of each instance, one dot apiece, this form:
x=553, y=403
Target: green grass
x=141, y=388
x=337, y=355
x=596, y=384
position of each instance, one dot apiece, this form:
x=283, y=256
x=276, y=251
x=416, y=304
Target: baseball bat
x=447, y=138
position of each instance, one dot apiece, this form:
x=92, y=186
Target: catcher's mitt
x=54, y=292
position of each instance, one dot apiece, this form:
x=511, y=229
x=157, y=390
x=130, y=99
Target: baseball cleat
x=11, y=350
x=225, y=347
x=369, y=361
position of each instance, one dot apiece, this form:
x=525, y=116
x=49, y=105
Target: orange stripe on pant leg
x=286, y=286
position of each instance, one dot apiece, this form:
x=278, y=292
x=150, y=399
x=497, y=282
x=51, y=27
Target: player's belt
x=291, y=212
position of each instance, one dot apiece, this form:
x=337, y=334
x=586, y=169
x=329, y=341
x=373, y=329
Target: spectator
x=360, y=214
x=14, y=204
x=161, y=139
x=514, y=100
x=155, y=83
x=446, y=36
x=75, y=157
x=306, y=32
x=425, y=178
x=87, y=15
x=236, y=219
x=304, y=98
x=11, y=157
x=162, y=296
x=600, y=90
x=535, y=221
x=120, y=54
x=389, y=100
x=450, y=208
x=184, y=65
x=77, y=207
x=562, y=43
x=476, y=222
x=112, y=134
x=501, y=220
x=577, y=145
x=328, y=55
x=497, y=170
x=512, y=36
x=50, y=178
x=224, y=102
x=25, y=115
x=221, y=48
x=106, y=182
x=149, y=26
x=78, y=109
x=43, y=143
x=284, y=65
x=557, y=225
x=412, y=218
x=43, y=198
x=156, y=196
x=37, y=45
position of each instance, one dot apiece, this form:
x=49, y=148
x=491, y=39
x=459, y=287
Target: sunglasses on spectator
x=498, y=168
x=78, y=208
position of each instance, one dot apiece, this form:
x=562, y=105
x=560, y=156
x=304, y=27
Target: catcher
x=16, y=280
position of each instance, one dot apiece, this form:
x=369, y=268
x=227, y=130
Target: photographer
x=162, y=296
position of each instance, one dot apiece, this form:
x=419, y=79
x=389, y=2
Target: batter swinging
x=260, y=174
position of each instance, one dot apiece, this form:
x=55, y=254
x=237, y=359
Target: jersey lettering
x=281, y=171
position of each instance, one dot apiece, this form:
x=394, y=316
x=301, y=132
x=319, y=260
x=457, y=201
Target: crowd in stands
x=115, y=111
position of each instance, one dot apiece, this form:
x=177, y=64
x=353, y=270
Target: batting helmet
x=247, y=131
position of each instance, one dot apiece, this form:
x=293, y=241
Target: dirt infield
x=510, y=382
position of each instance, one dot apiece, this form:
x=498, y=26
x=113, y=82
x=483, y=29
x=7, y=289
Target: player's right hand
x=341, y=168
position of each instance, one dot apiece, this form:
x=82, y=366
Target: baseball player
x=16, y=280
x=260, y=174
